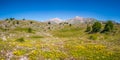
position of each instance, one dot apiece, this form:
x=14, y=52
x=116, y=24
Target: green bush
x=17, y=22
x=49, y=22
x=31, y=22
x=29, y=30
x=88, y=29
x=93, y=37
x=108, y=27
x=23, y=19
x=12, y=19
x=96, y=27
x=70, y=24
x=13, y=22
x=20, y=40
x=6, y=19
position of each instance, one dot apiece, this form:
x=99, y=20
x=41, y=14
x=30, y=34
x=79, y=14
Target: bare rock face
x=9, y=55
x=4, y=38
x=75, y=20
x=23, y=58
x=78, y=20
x=55, y=21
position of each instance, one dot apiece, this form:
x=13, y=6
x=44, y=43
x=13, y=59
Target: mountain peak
x=56, y=20
x=75, y=20
x=78, y=18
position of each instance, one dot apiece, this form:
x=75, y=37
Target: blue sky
x=64, y=9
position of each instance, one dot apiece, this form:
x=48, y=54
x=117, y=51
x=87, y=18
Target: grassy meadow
x=31, y=40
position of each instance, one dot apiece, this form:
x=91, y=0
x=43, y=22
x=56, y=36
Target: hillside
x=33, y=40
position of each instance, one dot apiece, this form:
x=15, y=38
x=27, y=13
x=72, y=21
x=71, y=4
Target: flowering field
x=67, y=43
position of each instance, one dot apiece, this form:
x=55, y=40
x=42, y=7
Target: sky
x=42, y=10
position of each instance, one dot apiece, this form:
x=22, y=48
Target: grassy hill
x=32, y=40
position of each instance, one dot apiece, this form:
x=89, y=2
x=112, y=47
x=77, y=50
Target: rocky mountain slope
x=76, y=20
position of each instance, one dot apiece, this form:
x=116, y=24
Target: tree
x=108, y=27
x=96, y=27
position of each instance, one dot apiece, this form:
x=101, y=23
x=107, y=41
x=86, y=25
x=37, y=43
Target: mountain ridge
x=75, y=20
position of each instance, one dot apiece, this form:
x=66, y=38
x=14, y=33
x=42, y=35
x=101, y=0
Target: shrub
x=13, y=23
x=70, y=24
x=23, y=19
x=20, y=40
x=49, y=28
x=108, y=27
x=31, y=22
x=17, y=22
x=12, y=19
x=88, y=29
x=6, y=19
x=93, y=37
x=96, y=27
x=29, y=30
x=49, y=22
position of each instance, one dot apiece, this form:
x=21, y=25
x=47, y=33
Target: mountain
x=55, y=21
x=75, y=20
x=78, y=20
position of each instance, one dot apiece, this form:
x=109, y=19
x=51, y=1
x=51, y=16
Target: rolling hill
x=33, y=40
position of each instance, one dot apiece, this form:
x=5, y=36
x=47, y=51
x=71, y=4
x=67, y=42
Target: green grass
x=21, y=29
x=65, y=43
x=68, y=32
x=20, y=40
x=37, y=36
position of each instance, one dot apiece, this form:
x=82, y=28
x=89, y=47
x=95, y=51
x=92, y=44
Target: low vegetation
x=20, y=40
x=88, y=29
x=108, y=27
x=60, y=42
x=96, y=27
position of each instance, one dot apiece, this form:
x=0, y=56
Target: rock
x=9, y=55
x=23, y=58
x=27, y=35
x=4, y=38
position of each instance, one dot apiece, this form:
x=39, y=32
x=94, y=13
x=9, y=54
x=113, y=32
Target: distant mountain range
x=75, y=20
